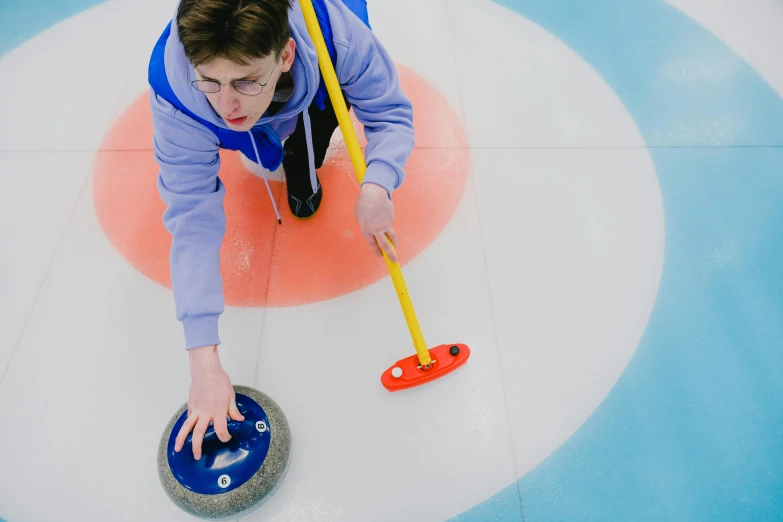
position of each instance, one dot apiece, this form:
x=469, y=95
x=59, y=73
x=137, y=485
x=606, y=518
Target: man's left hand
x=375, y=212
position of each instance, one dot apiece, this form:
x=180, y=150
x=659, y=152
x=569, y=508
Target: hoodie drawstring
x=310, y=158
x=263, y=173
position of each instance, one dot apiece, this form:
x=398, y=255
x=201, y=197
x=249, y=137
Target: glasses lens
x=251, y=88
x=206, y=86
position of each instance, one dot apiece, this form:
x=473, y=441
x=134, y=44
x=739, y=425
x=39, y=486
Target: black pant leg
x=323, y=124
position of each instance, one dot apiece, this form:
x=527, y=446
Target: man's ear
x=289, y=51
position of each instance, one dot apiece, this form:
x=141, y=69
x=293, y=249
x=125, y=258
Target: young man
x=243, y=75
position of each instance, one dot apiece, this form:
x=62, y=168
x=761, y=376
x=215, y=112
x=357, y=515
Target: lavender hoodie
x=187, y=152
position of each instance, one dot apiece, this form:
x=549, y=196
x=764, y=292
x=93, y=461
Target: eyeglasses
x=246, y=87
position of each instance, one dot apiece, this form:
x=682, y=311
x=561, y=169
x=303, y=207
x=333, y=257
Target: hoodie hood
x=304, y=70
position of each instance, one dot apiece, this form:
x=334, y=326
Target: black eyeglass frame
x=233, y=84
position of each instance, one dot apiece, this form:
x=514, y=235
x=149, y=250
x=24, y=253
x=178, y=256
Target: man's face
x=242, y=111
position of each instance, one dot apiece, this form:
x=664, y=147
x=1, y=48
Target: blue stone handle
x=234, y=428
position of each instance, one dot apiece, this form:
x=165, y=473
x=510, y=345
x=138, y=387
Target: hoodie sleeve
x=188, y=156
x=368, y=77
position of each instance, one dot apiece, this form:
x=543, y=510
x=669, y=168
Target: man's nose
x=227, y=99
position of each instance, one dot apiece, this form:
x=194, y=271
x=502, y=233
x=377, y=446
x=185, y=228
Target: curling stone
x=234, y=478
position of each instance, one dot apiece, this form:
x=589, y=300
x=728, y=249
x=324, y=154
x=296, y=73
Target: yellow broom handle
x=407, y=310
x=333, y=87
x=355, y=152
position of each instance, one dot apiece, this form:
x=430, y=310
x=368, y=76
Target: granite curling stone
x=231, y=479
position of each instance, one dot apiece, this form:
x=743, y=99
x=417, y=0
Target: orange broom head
x=407, y=373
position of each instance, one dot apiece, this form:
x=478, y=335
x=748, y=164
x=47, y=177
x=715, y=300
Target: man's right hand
x=212, y=398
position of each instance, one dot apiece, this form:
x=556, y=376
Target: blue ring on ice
x=693, y=429
x=21, y=20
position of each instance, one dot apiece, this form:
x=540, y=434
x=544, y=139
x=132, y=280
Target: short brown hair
x=236, y=30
